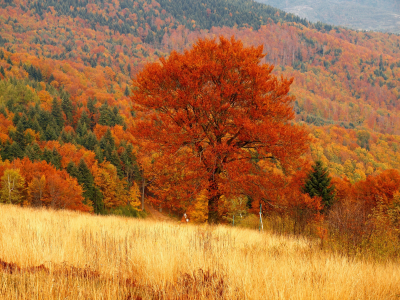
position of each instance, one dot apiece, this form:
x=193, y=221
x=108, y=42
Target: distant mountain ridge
x=377, y=15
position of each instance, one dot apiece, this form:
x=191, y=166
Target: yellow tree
x=113, y=189
x=12, y=187
x=36, y=189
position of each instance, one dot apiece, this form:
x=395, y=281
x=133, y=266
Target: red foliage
x=62, y=191
x=213, y=115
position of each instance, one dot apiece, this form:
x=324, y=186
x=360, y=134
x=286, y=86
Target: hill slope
x=66, y=67
x=362, y=15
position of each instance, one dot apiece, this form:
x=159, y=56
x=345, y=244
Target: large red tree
x=215, y=119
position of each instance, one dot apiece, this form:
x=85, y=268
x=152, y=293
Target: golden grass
x=94, y=257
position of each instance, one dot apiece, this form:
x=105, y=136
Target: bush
x=127, y=211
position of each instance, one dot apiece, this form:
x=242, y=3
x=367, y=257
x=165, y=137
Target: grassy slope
x=94, y=257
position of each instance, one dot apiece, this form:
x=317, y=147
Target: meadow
x=46, y=254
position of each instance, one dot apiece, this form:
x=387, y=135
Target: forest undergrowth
x=71, y=255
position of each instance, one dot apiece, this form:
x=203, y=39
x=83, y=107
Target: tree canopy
x=216, y=118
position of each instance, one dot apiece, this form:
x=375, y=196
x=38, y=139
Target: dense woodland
x=66, y=117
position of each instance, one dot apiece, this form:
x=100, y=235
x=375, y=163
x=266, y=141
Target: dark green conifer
x=90, y=141
x=15, y=151
x=33, y=152
x=35, y=125
x=117, y=118
x=19, y=135
x=81, y=129
x=99, y=154
x=93, y=112
x=91, y=192
x=107, y=152
x=72, y=170
x=50, y=133
x=56, y=159
x=5, y=150
x=106, y=116
x=16, y=119
x=47, y=155
x=66, y=137
x=66, y=105
x=114, y=159
x=319, y=184
x=3, y=111
x=44, y=118
x=57, y=113
x=107, y=139
x=85, y=119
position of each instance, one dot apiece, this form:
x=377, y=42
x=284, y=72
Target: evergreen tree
x=56, y=159
x=35, y=125
x=106, y=116
x=33, y=152
x=19, y=135
x=16, y=119
x=93, y=111
x=117, y=118
x=44, y=118
x=66, y=105
x=99, y=154
x=51, y=79
x=107, y=139
x=318, y=183
x=72, y=169
x=85, y=178
x=85, y=119
x=15, y=151
x=47, y=155
x=66, y=137
x=90, y=141
x=56, y=113
x=107, y=152
x=114, y=159
x=3, y=111
x=50, y=134
x=149, y=38
x=81, y=129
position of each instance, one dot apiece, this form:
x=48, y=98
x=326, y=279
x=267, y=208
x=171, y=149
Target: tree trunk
x=213, y=201
x=143, y=186
x=213, y=216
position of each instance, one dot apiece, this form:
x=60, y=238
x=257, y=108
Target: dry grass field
x=66, y=255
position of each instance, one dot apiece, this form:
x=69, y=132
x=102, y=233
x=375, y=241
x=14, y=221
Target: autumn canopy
x=217, y=122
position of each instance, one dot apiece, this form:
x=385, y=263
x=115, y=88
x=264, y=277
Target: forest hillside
x=66, y=118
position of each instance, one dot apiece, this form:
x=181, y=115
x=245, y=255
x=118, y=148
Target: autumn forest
x=90, y=118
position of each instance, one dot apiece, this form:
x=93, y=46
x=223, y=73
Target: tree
x=56, y=112
x=12, y=187
x=91, y=192
x=67, y=107
x=216, y=116
x=36, y=190
x=318, y=183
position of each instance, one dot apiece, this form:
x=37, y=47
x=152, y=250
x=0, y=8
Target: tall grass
x=66, y=255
